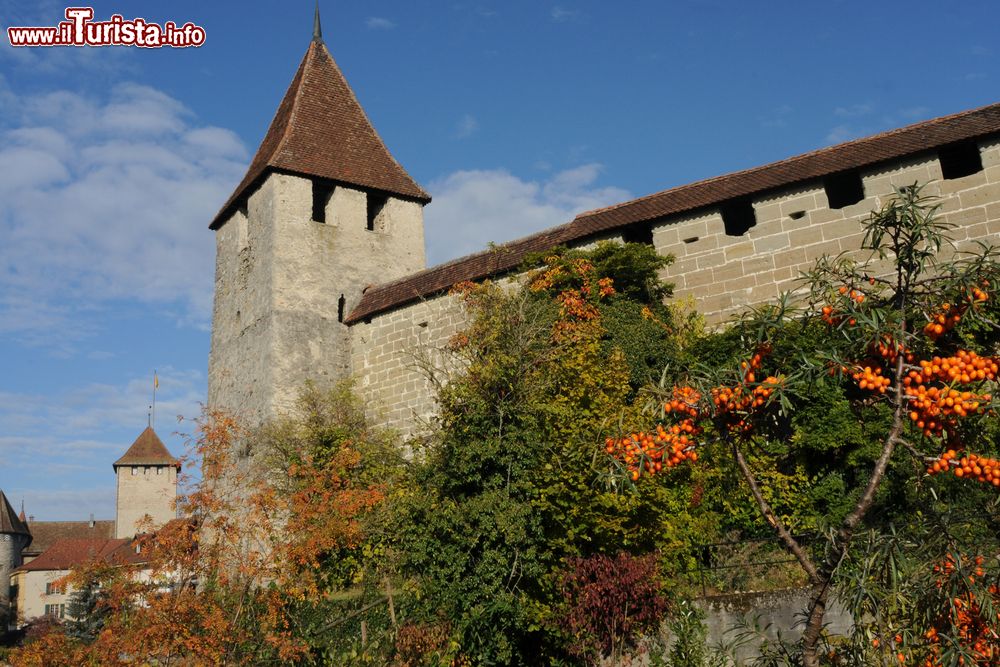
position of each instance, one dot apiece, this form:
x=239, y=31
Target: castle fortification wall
x=723, y=274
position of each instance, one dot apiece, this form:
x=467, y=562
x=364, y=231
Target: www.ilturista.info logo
x=79, y=29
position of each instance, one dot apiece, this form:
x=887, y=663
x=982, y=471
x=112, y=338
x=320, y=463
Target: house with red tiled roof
x=36, y=554
x=38, y=583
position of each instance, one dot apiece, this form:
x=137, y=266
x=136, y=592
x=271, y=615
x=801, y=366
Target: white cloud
x=105, y=198
x=55, y=450
x=853, y=111
x=473, y=208
x=562, y=14
x=379, y=23
x=466, y=126
x=841, y=133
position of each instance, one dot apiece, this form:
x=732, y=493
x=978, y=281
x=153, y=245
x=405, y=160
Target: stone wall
x=397, y=355
x=280, y=277
x=724, y=274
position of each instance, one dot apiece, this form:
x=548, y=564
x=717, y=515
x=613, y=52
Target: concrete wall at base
x=773, y=612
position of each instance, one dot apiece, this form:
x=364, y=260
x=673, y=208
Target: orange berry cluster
x=935, y=408
x=950, y=315
x=830, y=315
x=684, y=402
x=732, y=402
x=981, y=468
x=944, y=321
x=967, y=622
x=871, y=378
x=653, y=452
x=889, y=350
x=665, y=448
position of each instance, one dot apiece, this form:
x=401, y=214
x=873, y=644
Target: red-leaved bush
x=610, y=603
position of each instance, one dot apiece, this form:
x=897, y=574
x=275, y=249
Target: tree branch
x=790, y=542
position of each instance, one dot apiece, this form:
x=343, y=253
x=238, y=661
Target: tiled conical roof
x=147, y=450
x=9, y=521
x=321, y=130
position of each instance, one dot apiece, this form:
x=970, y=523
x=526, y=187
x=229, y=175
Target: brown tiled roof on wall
x=65, y=554
x=46, y=533
x=893, y=145
x=321, y=130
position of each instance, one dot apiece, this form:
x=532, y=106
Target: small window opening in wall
x=422, y=325
x=958, y=160
x=321, y=197
x=638, y=234
x=376, y=203
x=844, y=189
x=797, y=215
x=738, y=217
x=341, y=302
x=691, y=239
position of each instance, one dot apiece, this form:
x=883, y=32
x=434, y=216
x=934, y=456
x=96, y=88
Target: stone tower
x=323, y=211
x=147, y=484
x=14, y=537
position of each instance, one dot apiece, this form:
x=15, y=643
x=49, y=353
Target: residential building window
x=55, y=610
x=52, y=589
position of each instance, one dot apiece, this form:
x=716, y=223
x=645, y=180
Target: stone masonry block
x=739, y=250
x=980, y=196
x=771, y=243
x=803, y=237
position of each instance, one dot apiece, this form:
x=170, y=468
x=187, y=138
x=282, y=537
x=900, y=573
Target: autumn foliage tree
x=907, y=335
x=225, y=584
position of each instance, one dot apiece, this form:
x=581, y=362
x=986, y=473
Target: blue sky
x=514, y=115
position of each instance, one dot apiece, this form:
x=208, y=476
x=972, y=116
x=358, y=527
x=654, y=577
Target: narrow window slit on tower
x=691, y=239
x=340, y=308
x=797, y=215
x=844, y=189
x=321, y=195
x=961, y=159
x=376, y=203
x=738, y=216
x=638, y=234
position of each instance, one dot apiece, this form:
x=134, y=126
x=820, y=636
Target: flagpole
x=156, y=383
